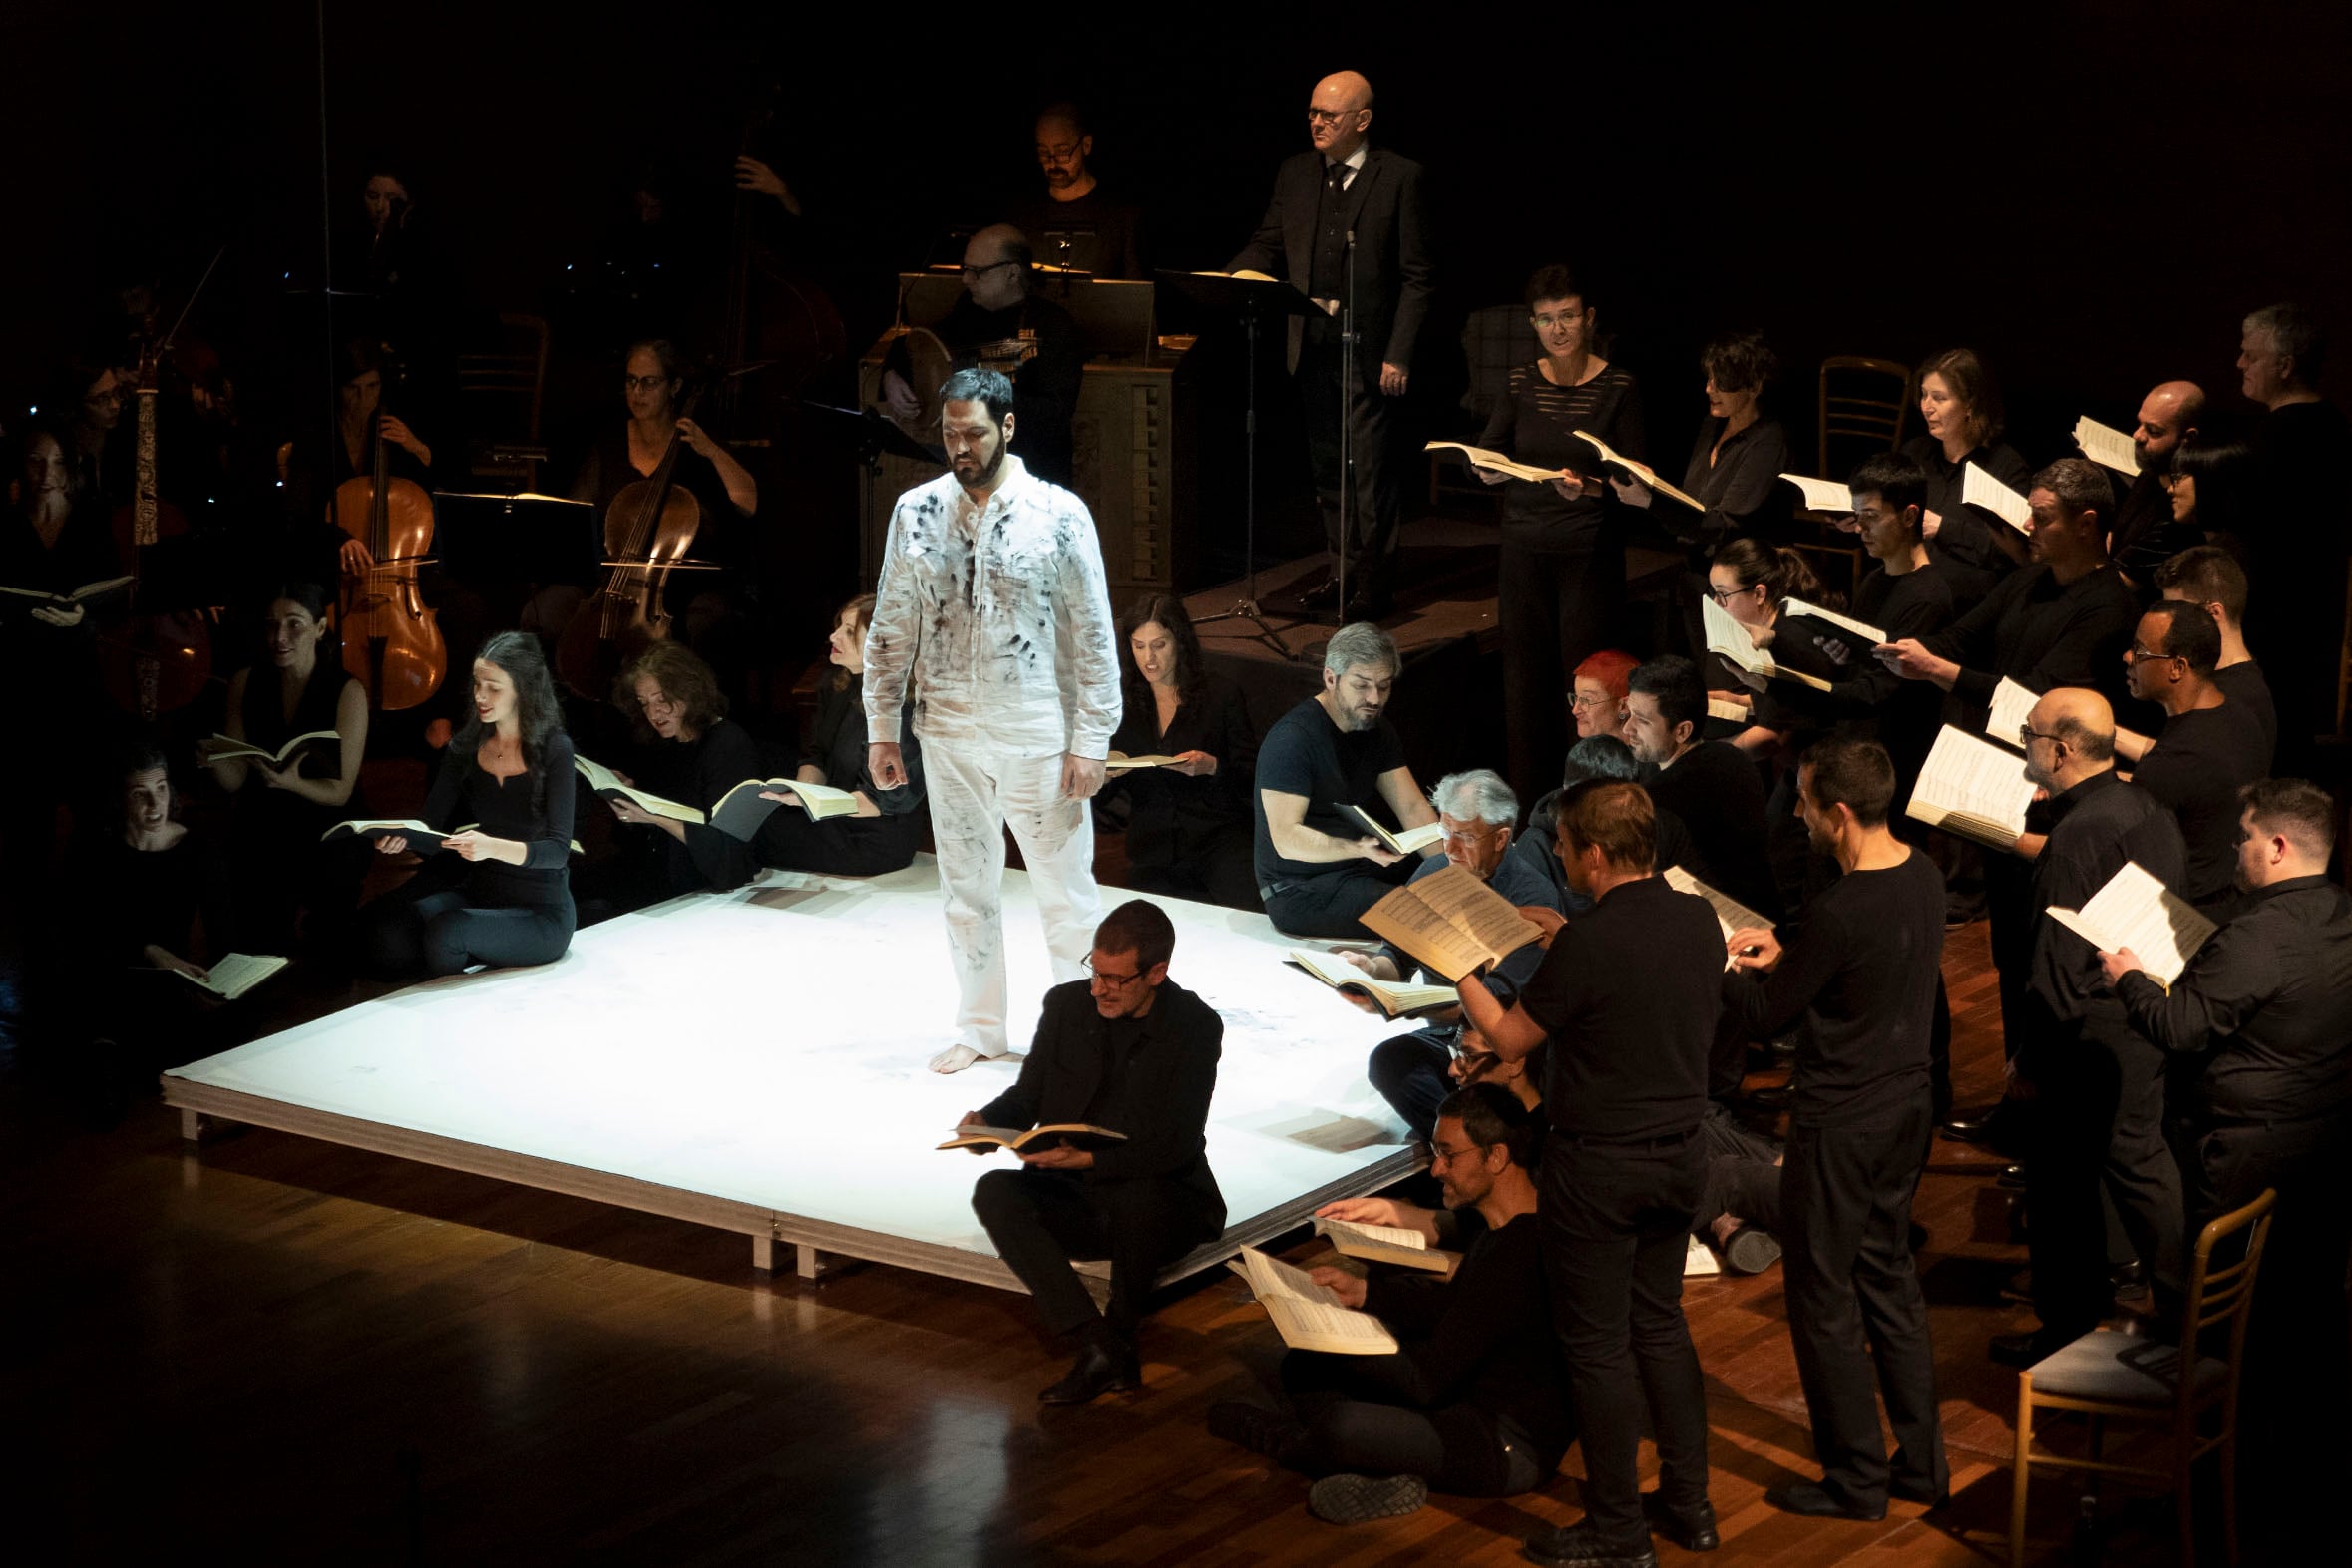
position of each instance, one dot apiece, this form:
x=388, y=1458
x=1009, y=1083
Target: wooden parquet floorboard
x=291, y=1352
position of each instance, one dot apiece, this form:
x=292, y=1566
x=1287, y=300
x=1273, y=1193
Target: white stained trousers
x=974, y=793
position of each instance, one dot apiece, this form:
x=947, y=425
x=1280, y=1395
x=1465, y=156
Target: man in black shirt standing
x=1317, y=870
x=1129, y=1050
x=2209, y=575
x=1907, y=594
x=2208, y=750
x=1710, y=786
x=2143, y=535
x=2263, y=1015
x=2097, y=1088
x=1864, y=970
x=1626, y=1005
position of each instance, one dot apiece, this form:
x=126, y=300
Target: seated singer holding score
x=1188, y=823
x=1128, y=1050
x=692, y=755
x=505, y=897
x=1317, y=870
x=888, y=827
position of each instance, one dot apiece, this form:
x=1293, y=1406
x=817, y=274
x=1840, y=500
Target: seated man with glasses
x=1002, y=324
x=1129, y=1050
x=1474, y=1402
x=1478, y=813
x=1075, y=221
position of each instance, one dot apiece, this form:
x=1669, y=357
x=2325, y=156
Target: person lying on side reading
x=890, y=823
x=1474, y=1402
x=505, y=795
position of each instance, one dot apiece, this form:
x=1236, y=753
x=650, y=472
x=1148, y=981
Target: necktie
x=1337, y=176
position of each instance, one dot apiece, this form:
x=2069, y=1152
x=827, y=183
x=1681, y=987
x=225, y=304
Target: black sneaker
x=1693, y=1532
x=1359, y=1499
x=1258, y=1429
x=1580, y=1545
x=1751, y=1250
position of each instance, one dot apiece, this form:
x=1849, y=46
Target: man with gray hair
x=1480, y=817
x=1318, y=868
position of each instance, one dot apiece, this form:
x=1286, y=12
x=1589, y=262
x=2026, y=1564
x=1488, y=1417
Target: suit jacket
x=1384, y=207
x=1161, y=1102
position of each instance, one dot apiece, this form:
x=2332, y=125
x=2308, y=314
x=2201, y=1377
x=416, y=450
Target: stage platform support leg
x=197, y=1128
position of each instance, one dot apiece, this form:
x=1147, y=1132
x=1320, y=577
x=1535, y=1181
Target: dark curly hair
x=1740, y=361
x=538, y=715
x=1191, y=677
x=683, y=678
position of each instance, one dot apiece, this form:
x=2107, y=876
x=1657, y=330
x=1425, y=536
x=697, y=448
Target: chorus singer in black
x=1626, y=1005
x=1346, y=197
x=1129, y=1050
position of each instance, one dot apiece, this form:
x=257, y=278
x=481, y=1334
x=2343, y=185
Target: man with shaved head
x=2143, y=535
x=1340, y=194
x=2095, y=1087
x=1002, y=324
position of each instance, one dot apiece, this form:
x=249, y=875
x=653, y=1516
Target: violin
x=152, y=664
x=392, y=644
x=649, y=529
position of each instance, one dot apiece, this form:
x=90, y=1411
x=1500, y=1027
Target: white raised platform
x=755, y=1061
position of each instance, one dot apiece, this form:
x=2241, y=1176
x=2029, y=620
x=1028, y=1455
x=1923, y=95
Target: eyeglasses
x=1329, y=117
x=2027, y=735
x=1119, y=981
x=1726, y=595
x=1582, y=701
x=1470, y=833
x=970, y=270
x=1446, y=1157
x=1056, y=155
x=645, y=383
x=2140, y=656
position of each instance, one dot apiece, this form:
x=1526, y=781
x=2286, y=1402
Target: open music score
x=1308, y=1316
x=1642, y=472
x=1730, y=913
x=1822, y=495
x=1797, y=606
x=1450, y=920
x=1979, y=488
x=1726, y=637
x=1495, y=463
x=1973, y=788
x=2137, y=912
x=2013, y=706
x=2106, y=446
x=1391, y=1244
x=1395, y=999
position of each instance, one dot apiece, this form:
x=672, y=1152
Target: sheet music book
x=1395, y=999
x=1642, y=472
x=1717, y=708
x=1797, y=606
x=2137, y=912
x=606, y=784
x=1973, y=788
x=1450, y=920
x=1730, y=913
x=236, y=973
x=1308, y=1316
x=1730, y=639
x=1120, y=762
x=2013, y=704
x=1496, y=462
x=1403, y=841
x=1387, y=1244
x=1822, y=495
x=2106, y=446
x=1979, y=488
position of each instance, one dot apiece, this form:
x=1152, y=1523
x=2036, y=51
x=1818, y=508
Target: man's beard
x=986, y=475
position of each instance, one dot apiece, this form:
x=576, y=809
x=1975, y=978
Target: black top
x=1156, y=1091
x=132, y=898
x=2143, y=535
x=1106, y=235
x=1381, y=207
x=1171, y=817
x=2243, y=684
x=1865, y=968
x=1535, y=422
x=1822, y=649
x=315, y=470
x=463, y=794
x=2268, y=1001
x=1044, y=388
x=2195, y=768
x=836, y=746
x=697, y=774
x=2042, y=634
x=2099, y=824
x=1964, y=540
x=281, y=813
x=1716, y=791
x=1304, y=753
x=1483, y=1337
x=1742, y=487
x=1902, y=714
x=84, y=552
x=1629, y=995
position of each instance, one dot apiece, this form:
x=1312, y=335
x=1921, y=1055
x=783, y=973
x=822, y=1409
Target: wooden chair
x=2109, y=1376
x=502, y=389
x=1495, y=341
x=1865, y=403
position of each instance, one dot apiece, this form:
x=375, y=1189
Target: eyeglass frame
x=969, y=271
x=2027, y=735
x=646, y=383
x=1118, y=981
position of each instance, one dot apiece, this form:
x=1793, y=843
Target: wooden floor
x=294, y=1352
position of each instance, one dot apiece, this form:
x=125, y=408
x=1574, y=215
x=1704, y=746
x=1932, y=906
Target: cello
x=392, y=644
x=152, y=664
x=647, y=531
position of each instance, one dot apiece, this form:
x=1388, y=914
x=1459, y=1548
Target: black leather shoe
x=2023, y=1349
x=1984, y=1126
x=1258, y=1429
x=1581, y=1544
x=1095, y=1374
x=1693, y=1532
x=1914, y=1489
x=1818, y=1503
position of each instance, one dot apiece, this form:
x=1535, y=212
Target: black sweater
x=463, y=794
x=1172, y=818
x=700, y=772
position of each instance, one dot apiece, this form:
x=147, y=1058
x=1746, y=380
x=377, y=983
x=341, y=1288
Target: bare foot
x=956, y=1058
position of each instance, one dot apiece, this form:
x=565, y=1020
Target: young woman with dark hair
x=1189, y=828
x=499, y=890
x=890, y=824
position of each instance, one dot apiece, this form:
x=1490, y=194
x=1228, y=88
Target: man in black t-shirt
x=1712, y=785
x=1318, y=868
x=2209, y=749
x=1626, y=1005
x=1073, y=221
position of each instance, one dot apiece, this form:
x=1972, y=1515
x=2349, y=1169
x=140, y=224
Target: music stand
x=524, y=538
x=1250, y=299
x=867, y=431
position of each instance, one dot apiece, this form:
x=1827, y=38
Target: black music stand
x=867, y=432
x=486, y=537
x=1252, y=300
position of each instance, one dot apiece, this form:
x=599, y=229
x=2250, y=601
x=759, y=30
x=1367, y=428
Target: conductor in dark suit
x=1129, y=1050
x=1341, y=187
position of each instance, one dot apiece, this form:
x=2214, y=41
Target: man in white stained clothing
x=992, y=599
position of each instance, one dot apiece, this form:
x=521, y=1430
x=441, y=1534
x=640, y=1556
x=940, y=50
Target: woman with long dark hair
x=889, y=825
x=1188, y=822
x=500, y=893
x=1960, y=404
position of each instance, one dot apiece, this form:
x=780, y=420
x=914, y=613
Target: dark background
x=2090, y=194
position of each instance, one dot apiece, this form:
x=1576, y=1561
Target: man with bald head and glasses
x=1076, y=220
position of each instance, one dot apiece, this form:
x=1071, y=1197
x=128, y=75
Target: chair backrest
x=1864, y=405
x=1495, y=341
x=2226, y=1293
x=511, y=378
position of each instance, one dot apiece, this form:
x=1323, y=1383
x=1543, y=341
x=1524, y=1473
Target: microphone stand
x=1246, y=608
x=1347, y=427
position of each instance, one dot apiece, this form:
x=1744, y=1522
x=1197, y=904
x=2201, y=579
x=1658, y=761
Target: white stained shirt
x=1003, y=617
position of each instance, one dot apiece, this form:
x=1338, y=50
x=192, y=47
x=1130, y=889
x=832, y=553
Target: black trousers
x=1615, y=1219
x=1372, y=432
x=2098, y=1119
x=1743, y=1173
x=843, y=847
x=1216, y=870
x=1553, y=607
x=1854, y=1301
x=2012, y=916
x=428, y=927
x=1041, y=1220
x=1333, y=903
x=1410, y=1071
x=1358, y=1429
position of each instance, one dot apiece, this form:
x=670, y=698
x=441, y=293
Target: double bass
x=392, y=643
x=152, y=664
x=649, y=529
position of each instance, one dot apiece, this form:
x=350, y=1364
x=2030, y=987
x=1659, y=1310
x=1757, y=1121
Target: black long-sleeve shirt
x=1965, y=539
x=2098, y=825
x=1536, y=423
x=1903, y=714
x=463, y=794
x=1716, y=791
x=835, y=748
x=1865, y=966
x=2143, y=535
x=2267, y=1001
x=698, y=773
x=1740, y=486
x=1483, y=1337
x=2195, y=768
x=2249, y=692
x=1171, y=817
x=2042, y=634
